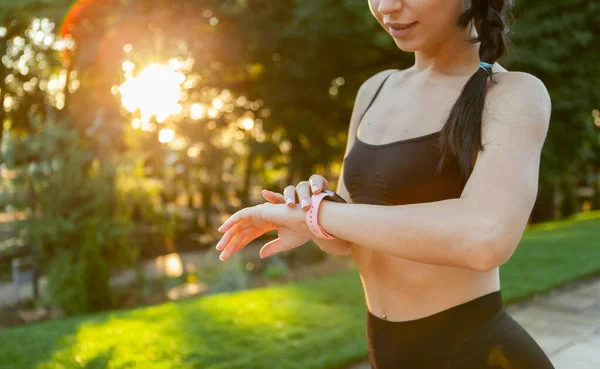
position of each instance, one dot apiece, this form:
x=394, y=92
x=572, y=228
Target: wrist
x=312, y=216
x=324, y=204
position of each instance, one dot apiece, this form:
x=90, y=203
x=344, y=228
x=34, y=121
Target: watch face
x=334, y=196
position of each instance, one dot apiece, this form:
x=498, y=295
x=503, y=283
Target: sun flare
x=156, y=91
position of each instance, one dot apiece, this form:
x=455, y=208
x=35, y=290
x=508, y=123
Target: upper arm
x=363, y=96
x=504, y=182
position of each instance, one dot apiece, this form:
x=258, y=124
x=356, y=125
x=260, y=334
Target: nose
x=389, y=6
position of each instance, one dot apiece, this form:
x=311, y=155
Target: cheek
x=439, y=17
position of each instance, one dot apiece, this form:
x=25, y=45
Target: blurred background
x=132, y=128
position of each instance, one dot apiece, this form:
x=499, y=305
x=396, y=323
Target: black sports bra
x=400, y=172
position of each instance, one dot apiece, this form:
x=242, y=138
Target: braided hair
x=461, y=134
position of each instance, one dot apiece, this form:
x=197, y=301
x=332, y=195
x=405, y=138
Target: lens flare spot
x=166, y=135
x=156, y=91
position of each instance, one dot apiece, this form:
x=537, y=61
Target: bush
x=231, y=275
x=276, y=269
x=79, y=280
x=73, y=220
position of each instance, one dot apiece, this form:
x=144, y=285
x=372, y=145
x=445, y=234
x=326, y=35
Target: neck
x=453, y=57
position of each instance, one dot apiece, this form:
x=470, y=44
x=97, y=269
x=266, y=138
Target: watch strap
x=312, y=219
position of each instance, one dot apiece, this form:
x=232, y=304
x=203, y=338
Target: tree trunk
x=544, y=207
x=205, y=189
x=247, y=176
x=570, y=203
x=188, y=185
x=596, y=185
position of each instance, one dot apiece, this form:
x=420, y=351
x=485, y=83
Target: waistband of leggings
x=446, y=324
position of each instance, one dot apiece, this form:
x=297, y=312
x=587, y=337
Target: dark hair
x=461, y=134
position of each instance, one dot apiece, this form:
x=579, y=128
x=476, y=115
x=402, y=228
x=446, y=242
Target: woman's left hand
x=252, y=222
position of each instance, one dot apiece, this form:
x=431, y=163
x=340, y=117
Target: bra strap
x=374, y=97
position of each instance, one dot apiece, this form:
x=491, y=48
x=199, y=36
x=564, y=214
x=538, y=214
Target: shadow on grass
x=317, y=323
x=102, y=360
x=30, y=346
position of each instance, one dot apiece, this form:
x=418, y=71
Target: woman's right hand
x=303, y=192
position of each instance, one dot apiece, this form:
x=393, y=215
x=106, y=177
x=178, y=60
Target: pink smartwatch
x=313, y=211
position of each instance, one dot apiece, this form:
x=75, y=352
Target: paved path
x=564, y=322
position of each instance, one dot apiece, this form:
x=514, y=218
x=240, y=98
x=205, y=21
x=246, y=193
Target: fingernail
x=289, y=201
x=221, y=256
x=304, y=202
x=314, y=188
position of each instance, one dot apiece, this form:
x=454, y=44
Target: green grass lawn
x=317, y=323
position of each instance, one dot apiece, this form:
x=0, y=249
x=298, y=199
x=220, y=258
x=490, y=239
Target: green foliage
x=79, y=279
x=309, y=253
x=556, y=41
x=72, y=219
x=276, y=268
x=231, y=275
x=569, y=203
x=139, y=197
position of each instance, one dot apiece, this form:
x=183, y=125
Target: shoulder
x=369, y=87
x=519, y=91
x=375, y=80
x=367, y=90
x=518, y=98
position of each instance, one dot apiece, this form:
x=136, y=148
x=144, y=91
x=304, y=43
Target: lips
x=401, y=30
x=399, y=25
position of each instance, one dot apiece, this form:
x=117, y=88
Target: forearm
x=448, y=232
x=336, y=246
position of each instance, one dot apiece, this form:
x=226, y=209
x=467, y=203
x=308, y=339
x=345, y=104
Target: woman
x=431, y=213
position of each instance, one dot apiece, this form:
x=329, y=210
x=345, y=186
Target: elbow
x=491, y=248
x=487, y=260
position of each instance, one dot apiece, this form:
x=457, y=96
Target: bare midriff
x=401, y=290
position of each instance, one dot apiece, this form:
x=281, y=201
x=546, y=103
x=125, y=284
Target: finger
x=240, y=215
x=227, y=252
x=228, y=236
x=272, y=247
x=236, y=239
x=304, y=194
x=268, y=249
x=318, y=183
x=251, y=236
x=273, y=197
x=290, y=195
x=240, y=240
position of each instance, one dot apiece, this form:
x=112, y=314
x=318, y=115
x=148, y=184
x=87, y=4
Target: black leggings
x=478, y=334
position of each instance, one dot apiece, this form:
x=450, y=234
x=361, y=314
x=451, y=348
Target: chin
x=407, y=46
